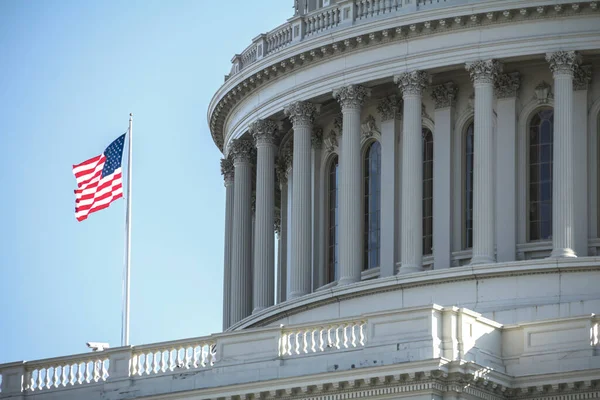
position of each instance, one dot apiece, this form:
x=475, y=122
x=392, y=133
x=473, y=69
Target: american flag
x=99, y=180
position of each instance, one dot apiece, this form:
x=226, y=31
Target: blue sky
x=71, y=72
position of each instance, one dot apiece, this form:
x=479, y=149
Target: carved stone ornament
x=281, y=171
x=369, y=127
x=563, y=62
x=351, y=96
x=337, y=123
x=264, y=131
x=390, y=108
x=301, y=112
x=484, y=71
x=543, y=92
x=317, y=138
x=412, y=83
x=331, y=140
x=444, y=95
x=507, y=85
x=227, y=169
x=241, y=150
x=582, y=77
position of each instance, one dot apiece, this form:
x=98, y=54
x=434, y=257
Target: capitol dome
x=412, y=212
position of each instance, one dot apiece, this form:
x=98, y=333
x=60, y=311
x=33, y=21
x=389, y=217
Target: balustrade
x=320, y=338
x=70, y=372
x=279, y=38
x=322, y=20
x=151, y=360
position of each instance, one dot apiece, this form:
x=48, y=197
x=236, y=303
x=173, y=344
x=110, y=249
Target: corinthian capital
x=390, y=108
x=264, y=131
x=351, y=96
x=484, y=71
x=507, y=85
x=444, y=95
x=582, y=77
x=563, y=62
x=301, y=112
x=227, y=169
x=412, y=83
x=241, y=150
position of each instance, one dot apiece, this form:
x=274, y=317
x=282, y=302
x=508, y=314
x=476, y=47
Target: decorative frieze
x=412, y=83
x=351, y=96
x=241, y=150
x=484, y=71
x=317, y=138
x=563, y=62
x=264, y=131
x=444, y=95
x=390, y=108
x=582, y=77
x=301, y=112
x=507, y=85
x=227, y=169
x=369, y=127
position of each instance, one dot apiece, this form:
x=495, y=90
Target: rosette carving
x=264, y=131
x=484, y=71
x=241, y=150
x=563, y=62
x=301, y=112
x=351, y=96
x=507, y=85
x=444, y=95
x=412, y=83
x=390, y=108
x=227, y=169
x=582, y=77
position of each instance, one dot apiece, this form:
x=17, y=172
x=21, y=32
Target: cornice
x=430, y=22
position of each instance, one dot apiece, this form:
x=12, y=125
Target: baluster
x=305, y=339
x=312, y=347
x=337, y=337
x=362, y=334
x=48, y=382
x=375, y=7
x=345, y=334
x=79, y=376
x=206, y=356
x=96, y=369
x=55, y=375
x=63, y=375
x=133, y=368
x=28, y=382
x=188, y=357
x=321, y=339
x=353, y=335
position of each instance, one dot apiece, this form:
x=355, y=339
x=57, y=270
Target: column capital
x=301, y=112
x=351, y=96
x=264, y=131
x=563, y=62
x=390, y=108
x=241, y=150
x=444, y=95
x=582, y=77
x=507, y=85
x=227, y=170
x=484, y=71
x=412, y=83
x=317, y=138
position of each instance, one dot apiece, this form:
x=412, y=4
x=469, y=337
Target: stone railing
x=188, y=354
x=325, y=20
x=318, y=338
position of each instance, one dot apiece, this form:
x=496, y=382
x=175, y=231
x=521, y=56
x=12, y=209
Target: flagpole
x=125, y=338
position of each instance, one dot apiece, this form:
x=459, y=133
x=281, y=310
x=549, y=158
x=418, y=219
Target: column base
x=409, y=269
x=347, y=281
x=563, y=253
x=294, y=295
x=481, y=259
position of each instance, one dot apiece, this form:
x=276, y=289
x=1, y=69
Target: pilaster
x=411, y=84
x=563, y=65
x=484, y=74
x=302, y=116
x=444, y=97
x=228, y=176
x=390, y=110
x=351, y=99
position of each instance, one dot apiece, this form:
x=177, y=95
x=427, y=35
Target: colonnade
x=249, y=284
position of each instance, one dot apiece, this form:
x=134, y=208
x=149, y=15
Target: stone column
x=582, y=219
x=507, y=87
x=390, y=110
x=241, y=278
x=281, y=170
x=318, y=225
x=444, y=97
x=483, y=74
x=302, y=115
x=562, y=65
x=264, y=133
x=351, y=99
x=227, y=171
x=411, y=85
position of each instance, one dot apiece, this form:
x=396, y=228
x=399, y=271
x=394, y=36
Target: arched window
x=333, y=217
x=427, y=192
x=468, y=188
x=372, y=205
x=541, y=133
